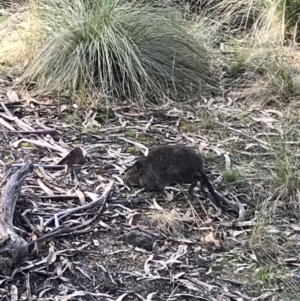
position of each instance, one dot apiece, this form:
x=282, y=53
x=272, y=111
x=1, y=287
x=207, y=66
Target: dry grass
x=264, y=74
x=263, y=21
x=169, y=222
x=19, y=33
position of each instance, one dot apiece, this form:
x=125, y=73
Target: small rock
x=96, y=243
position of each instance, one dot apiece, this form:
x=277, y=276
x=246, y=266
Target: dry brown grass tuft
x=19, y=34
x=169, y=222
x=265, y=74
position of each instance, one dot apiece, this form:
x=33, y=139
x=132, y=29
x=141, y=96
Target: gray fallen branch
x=59, y=232
x=58, y=216
x=87, y=198
x=45, y=166
x=51, y=132
x=63, y=230
x=12, y=246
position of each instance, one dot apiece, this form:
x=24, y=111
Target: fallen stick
x=58, y=216
x=12, y=246
x=71, y=197
x=51, y=132
x=60, y=231
x=45, y=166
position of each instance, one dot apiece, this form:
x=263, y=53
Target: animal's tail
x=217, y=199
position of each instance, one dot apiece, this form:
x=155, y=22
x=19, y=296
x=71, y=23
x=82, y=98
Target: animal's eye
x=137, y=164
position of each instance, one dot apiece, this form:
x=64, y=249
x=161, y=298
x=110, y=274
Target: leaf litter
x=78, y=218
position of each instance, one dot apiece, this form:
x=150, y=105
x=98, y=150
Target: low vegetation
x=264, y=21
x=131, y=49
x=225, y=80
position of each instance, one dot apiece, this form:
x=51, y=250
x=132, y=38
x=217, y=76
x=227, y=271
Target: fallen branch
x=45, y=166
x=12, y=246
x=66, y=197
x=51, y=132
x=58, y=216
x=60, y=231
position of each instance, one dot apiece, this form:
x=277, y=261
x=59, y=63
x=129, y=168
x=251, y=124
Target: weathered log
x=12, y=246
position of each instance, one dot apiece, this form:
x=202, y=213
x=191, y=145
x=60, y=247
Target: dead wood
x=51, y=132
x=61, y=230
x=66, y=197
x=102, y=199
x=45, y=166
x=12, y=246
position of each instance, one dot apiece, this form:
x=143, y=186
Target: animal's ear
x=138, y=164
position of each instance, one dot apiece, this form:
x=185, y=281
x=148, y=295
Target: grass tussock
x=264, y=21
x=263, y=73
x=18, y=35
x=122, y=49
x=286, y=175
x=273, y=239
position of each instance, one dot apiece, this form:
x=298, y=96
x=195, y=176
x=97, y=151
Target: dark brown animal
x=170, y=164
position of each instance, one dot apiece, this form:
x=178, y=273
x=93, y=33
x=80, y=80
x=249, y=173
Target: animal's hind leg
x=202, y=185
x=192, y=186
x=199, y=178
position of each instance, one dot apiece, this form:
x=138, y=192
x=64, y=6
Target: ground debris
x=82, y=222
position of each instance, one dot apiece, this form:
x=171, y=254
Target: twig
x=39, y=132
x=60, y=231
x=45, y=166
x=42, y=144
x=71, y=197
x=262, y=143
x=70, y=211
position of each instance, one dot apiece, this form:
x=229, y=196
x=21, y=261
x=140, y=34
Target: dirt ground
x=192, y=251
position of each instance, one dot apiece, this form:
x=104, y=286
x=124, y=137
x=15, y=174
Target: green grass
x=286, y=176
x=130, y=49
x=230, y=175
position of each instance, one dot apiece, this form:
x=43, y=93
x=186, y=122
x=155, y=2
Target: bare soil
x=209, y=256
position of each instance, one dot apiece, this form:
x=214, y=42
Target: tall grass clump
x=264, y=20
x=129, y=49
x=286, y=176
x=264, y=73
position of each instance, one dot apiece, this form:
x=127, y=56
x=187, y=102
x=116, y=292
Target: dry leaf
x=80, y=196
x=14, y=293
x=207, y=222
x=46, y=101
x=210, y=239
x=12, y=96
x=202, y=146
x=266, y=120
x=227, y=161
x=104, y=225
x=96, y=242
x=33, y=237
x=156, y=206
x=45, y=188
x=63, y=108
